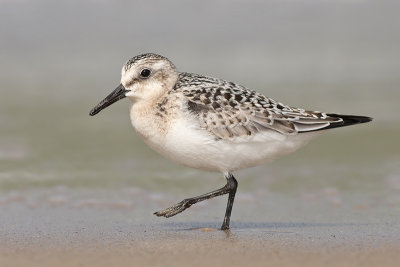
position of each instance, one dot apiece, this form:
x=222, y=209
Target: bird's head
x=144, y=77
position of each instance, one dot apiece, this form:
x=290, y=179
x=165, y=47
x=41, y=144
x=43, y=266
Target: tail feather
x=332, y=121
x=346, y=120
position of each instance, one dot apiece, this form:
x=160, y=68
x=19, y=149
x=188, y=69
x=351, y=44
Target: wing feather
x=228, y=110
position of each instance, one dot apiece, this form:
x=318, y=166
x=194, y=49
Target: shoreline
x=64, y=227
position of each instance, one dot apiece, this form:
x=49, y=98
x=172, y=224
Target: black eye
x=145, y=73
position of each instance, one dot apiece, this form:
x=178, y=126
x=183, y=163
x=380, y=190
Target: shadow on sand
x=237, y=226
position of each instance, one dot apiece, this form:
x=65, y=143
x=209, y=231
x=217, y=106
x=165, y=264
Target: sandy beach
x=189, y=252
x=93, y=228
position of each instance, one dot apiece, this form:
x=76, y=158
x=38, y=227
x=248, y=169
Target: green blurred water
x=59, y=144
x=59, y=60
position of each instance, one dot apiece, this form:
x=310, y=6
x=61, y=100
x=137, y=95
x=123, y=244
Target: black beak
x=115, y=95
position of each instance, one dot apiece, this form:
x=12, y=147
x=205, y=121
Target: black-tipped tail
x=347, y=120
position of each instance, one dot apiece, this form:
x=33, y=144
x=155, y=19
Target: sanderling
x=212, y=124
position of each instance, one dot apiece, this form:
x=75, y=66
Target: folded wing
x=228, y=110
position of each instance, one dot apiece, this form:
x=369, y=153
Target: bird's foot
x=225, y=227
x=175, y=209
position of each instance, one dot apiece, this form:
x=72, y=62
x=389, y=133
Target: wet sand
x=65, y=227
x=190, y=252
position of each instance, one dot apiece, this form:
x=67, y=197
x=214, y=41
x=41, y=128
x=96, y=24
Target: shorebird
x=212, y=124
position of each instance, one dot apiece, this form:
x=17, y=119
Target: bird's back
x=228, y=110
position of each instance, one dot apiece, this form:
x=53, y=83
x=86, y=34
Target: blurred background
x=60, y=58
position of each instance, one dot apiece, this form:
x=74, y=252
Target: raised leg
x=230, y=187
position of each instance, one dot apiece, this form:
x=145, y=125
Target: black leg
x=230, y=188
x=231, y=198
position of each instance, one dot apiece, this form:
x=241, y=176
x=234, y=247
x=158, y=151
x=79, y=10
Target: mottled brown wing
x=228, y=110
x=244, y=119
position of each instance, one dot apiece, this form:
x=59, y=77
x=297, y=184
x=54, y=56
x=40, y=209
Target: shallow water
x=59, y=144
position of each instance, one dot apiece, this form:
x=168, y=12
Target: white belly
x=185, y=143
